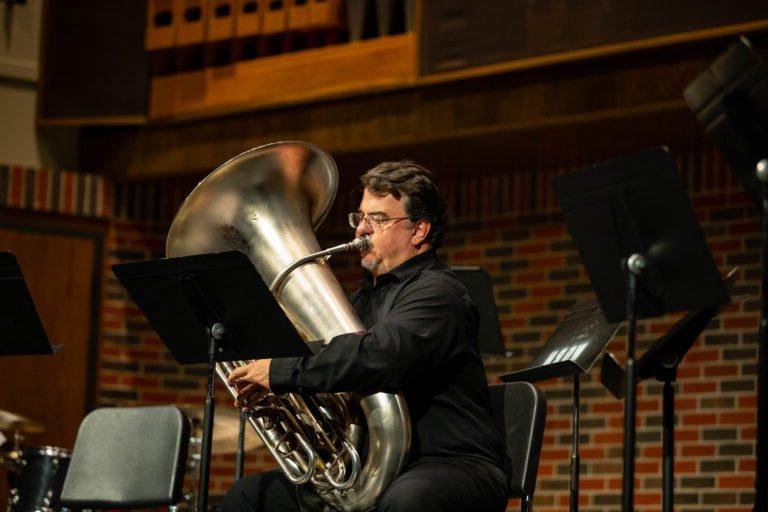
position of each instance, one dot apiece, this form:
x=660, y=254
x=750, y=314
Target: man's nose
x=362, y=229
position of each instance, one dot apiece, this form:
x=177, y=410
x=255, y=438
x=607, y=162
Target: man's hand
x=250, y=380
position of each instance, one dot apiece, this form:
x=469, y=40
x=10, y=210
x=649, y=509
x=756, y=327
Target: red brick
x=736, y=481
x=699, y=419
x=699, y=387
x=744, y=322
x=608, y=407
x=548, y=232
x=748, y=401
x=530, y=277
x=532, y=248
x=688, y=372
x=591, y=483
x=686, y=434
x=747, y=465
x=702, y=355
x=547, y=262
x=725, y=370
x=745, y=227
x=609, y=437
x=642, y=498
x=546, y=291
x=165, y=398
x=738, y=418
x=471, y=255
x=483, y=238
x=697, y=450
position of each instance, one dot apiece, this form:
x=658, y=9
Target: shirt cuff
x=283, y=374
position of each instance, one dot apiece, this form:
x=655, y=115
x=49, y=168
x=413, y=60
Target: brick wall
x=508, y=223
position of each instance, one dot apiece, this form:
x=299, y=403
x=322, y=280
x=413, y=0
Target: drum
x=38, y=478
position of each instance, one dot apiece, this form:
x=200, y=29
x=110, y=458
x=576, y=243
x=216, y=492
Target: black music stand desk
x=644, y=252
x=480, y=288
x=210, y=308
x=573, y=348
x=21, y=332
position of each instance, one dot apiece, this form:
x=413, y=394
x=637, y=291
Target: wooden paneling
x=311, y=74
x=521, y=108
x=458, y=34
x=61, y=261
x=94, y=67
x=62, y=269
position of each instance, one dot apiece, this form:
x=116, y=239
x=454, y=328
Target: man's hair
x=422, y=197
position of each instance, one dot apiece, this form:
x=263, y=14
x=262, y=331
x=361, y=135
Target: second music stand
x=573, y=348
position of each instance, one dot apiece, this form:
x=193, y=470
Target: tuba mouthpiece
x=360, y=244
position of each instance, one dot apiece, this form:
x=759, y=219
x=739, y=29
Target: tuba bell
x=266, y=203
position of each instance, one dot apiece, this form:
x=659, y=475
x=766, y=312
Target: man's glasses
x=374, y=222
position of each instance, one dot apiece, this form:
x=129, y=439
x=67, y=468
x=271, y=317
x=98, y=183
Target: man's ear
x=420, y=232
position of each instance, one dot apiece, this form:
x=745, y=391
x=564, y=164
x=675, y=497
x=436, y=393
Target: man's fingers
x=236, y=374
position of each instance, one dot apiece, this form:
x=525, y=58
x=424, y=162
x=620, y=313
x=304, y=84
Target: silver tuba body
x=266, y=203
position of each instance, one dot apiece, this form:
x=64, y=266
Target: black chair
x=128, y=458
x=520, y=411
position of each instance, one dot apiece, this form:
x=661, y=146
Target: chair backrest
x=520, y=411
x=128, y=457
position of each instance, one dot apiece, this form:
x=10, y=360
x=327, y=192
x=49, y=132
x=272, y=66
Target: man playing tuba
x=421, y=341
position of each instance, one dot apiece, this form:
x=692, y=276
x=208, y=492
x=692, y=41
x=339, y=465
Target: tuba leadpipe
x=266, y=203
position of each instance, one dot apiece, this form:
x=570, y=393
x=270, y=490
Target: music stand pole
x=575, y=470
x=761, y=498
x=634, y=267
x=215, y=333
x=668, y=443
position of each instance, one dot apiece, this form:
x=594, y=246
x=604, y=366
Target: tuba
x=266, y=203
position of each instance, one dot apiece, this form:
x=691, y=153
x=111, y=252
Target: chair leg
x=526, y=503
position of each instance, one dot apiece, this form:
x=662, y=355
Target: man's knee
x=268, y=491
x=400, y=499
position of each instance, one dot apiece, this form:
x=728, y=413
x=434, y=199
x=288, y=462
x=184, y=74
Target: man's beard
x=370, y=265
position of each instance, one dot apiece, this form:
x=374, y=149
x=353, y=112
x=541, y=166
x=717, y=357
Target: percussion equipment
x=36, y=477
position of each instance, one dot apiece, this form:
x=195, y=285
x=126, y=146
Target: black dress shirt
x=422, y=342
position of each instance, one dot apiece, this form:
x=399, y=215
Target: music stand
x=644, y=252
x=730, y=100
x=573, y=348
x=478, y=284
x=21, y=332
x=661, y=361
x=210, y=308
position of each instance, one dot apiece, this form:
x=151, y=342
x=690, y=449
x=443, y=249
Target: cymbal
x=17, y=423
x=226, y=428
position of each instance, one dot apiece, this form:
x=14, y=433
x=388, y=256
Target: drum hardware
x=37, y=478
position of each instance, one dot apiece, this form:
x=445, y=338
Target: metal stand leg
x=574, y=503
x=215, y=333
x=669, y=446
x=761, y=477
x=634, y=266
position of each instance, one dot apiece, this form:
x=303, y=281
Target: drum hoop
x=48, y=451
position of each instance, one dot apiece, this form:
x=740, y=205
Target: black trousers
x=423, y=487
